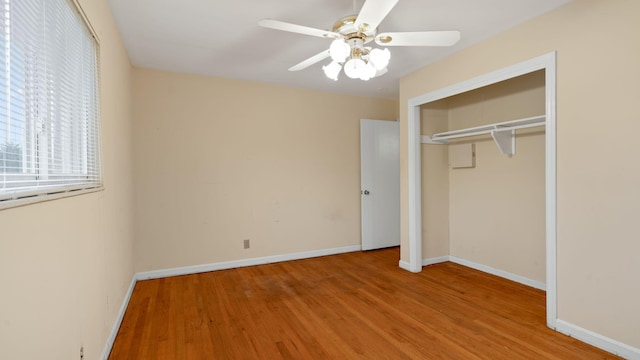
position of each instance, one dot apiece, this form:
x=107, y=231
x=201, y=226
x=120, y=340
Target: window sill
x=7, y=204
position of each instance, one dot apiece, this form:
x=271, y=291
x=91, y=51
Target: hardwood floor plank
x=350, y=306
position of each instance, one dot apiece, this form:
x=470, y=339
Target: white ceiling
x=221, y=37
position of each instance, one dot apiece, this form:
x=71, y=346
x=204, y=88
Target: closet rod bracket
x=426, y=139
x=506, y=141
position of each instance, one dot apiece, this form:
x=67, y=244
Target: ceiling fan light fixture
x=350, y=35
x=332, y=70
x=379, y=58
x=339, y=50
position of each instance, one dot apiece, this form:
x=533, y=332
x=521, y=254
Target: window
x=49, y=111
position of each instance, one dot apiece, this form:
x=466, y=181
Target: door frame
x=545, y=62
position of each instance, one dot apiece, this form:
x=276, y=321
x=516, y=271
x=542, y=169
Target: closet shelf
x=503, y=133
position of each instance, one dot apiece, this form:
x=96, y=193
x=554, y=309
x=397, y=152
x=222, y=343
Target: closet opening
x=482, y=169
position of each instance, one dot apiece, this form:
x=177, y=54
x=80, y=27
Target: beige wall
x=65, y=265
x=598, y=174
x=218, y=161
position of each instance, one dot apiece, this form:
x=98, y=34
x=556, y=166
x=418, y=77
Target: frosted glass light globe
x=354, y=68
x=368, y=72
x=332, y=70
x=380, y=58
x=339, y=50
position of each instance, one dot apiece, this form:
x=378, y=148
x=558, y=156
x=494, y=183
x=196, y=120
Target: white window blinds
x=49, y=120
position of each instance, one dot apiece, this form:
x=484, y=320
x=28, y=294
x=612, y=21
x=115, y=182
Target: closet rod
x=486, y=129
x=503, y=133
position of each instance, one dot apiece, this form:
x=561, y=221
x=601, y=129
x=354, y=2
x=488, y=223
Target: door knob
x=366, y=192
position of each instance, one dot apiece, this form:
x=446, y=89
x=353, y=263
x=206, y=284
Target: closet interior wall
x=494, y=213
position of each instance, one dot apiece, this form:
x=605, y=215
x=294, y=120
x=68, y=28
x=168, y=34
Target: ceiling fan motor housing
x=347, y=28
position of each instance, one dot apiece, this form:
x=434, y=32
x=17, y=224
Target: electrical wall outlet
x=81, y=352
x=247, y=244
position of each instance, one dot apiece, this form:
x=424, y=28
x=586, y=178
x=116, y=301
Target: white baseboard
x=498, y=272
x=187, y=270
x=597, y=340
x=116, y=326
x=436, y=260
x=484, y=268
x=404, y=265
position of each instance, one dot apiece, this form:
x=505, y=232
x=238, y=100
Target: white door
x=380, y=183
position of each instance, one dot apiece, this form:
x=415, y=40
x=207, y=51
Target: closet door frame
x=545, y=62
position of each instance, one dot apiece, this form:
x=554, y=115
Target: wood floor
x=351, y=306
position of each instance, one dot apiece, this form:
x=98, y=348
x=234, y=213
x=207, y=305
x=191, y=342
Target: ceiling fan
x=350, y=35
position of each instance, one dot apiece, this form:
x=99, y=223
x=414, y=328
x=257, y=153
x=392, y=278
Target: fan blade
x=284, y=26
x=418, y=38
x=372, y=13
x=310, y=61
